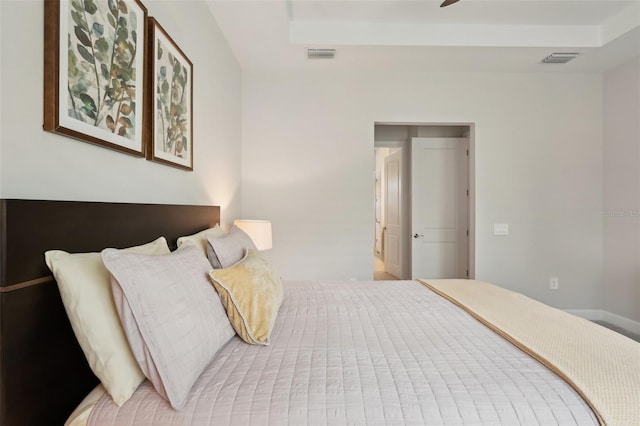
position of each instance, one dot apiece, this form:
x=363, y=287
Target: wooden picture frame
x=94, y=72
x=170, y=114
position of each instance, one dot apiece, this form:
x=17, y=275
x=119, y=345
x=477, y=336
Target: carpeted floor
x=622, y=331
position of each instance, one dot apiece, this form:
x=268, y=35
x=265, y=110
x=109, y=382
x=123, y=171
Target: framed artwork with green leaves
x=94, y=71
x=171, y=110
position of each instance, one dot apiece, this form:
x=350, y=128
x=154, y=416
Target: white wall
x=307, y=166
x=39, y=165
x=622, y=190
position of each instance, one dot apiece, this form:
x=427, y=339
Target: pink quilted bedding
x=365, y=353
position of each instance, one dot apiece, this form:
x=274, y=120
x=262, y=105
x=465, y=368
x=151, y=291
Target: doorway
x=432, y=232
x=388, y=256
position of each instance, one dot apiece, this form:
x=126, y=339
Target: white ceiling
x=418, y=35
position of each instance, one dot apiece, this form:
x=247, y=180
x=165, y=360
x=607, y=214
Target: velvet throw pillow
x=173, y=319
x=228, y=249
x=85, y=289
x=251, y=292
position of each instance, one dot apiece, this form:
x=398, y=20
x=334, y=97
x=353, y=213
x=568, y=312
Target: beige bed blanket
x=603, y=366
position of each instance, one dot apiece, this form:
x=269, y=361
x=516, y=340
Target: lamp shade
x=258, y=230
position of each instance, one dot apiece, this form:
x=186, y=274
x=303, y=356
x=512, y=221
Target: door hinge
x=467, y=273
x=467, y=192
x=467, y=232
x=467, y=153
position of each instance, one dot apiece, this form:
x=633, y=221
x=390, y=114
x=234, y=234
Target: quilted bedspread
x=602, y=365
x=366, y=353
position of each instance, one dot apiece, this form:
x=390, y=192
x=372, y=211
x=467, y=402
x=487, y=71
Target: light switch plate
x=500, y=229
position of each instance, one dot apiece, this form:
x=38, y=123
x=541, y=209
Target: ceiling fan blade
x=448, y=2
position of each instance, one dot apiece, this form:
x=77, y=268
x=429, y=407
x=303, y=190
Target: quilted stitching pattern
x=604, y=365
x=366, y=353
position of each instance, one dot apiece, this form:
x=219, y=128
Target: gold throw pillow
x=251, y=292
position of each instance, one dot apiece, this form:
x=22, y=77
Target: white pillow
x=173, y=318
x=200, y=238
x=85, y=289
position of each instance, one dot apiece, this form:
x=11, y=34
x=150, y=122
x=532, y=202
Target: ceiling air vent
x=560, y=58
x=321, y=53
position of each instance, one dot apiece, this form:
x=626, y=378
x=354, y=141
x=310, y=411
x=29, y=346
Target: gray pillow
x=229, y=249
x=200, y=238
x=173, y=318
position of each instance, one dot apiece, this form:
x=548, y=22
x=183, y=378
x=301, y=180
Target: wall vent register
x=560, y=58
x=321, y=53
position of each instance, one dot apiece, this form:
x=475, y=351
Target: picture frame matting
x=170, y=115
x=94, y=72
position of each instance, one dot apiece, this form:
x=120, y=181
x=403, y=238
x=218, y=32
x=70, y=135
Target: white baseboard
x=601, y=315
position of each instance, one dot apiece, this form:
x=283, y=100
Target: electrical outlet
x=553, y=283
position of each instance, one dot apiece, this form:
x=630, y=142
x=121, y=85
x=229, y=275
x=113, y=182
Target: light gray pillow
x=229, y=249
x=173, y=318
x=200, y=238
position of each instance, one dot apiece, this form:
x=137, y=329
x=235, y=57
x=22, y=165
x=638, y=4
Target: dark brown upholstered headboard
x=43, y=373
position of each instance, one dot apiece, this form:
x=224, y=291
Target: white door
x=393, y=214
x=439, y=208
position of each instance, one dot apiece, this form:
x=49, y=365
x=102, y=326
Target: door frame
x=406, y=158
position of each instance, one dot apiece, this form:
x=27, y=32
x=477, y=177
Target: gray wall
x=622, y=190
x=39, y=165
x=307, y=165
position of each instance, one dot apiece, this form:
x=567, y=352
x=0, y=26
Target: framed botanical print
x=170, y=138
x=94, y=71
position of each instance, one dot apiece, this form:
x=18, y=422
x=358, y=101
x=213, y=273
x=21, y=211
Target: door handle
x=416, y=235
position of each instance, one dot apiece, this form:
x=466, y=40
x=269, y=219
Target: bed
x=403, y=352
